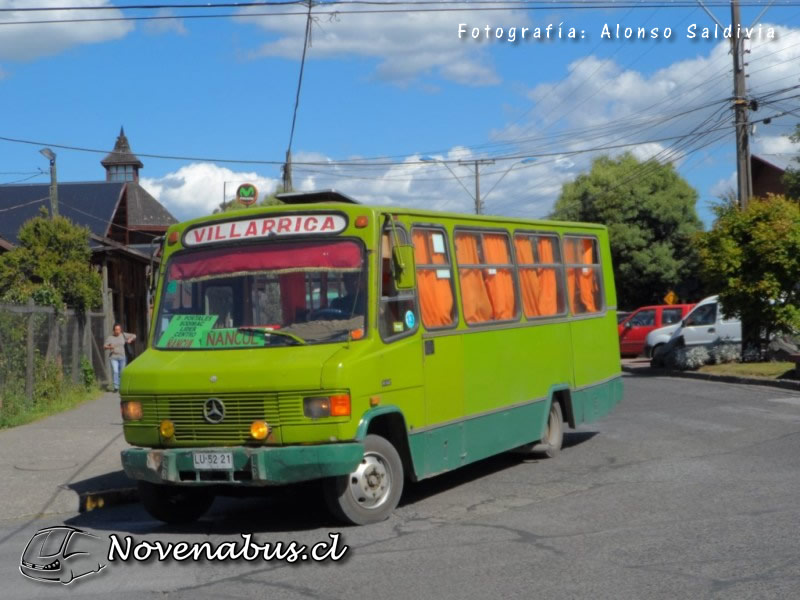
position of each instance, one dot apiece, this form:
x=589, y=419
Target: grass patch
x=17, y=410
x=769, y=370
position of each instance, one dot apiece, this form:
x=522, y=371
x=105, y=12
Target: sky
x=393, y=96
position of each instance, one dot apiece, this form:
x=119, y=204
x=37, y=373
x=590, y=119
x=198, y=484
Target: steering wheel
x=327, y=314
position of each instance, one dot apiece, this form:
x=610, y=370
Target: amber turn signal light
x=259, y=430
x=362, y=221
x=340, y=405
x=166, y=429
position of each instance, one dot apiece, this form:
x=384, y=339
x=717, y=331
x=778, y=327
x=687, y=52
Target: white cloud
x=775, y=144
x=601, y=104
x=197, y=189
x=165, y=24
x=406, y=46
x=28, y=42
x=723, y=187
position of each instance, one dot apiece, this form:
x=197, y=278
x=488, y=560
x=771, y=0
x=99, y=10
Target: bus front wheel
x=371, y=492
x=174, y=504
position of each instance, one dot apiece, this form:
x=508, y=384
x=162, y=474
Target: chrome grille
x=186, y=412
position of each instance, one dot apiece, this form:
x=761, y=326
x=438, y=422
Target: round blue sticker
x=410, y=320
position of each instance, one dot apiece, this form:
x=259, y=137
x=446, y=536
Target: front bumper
x=251, y=466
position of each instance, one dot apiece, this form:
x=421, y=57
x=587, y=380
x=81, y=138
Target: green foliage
x=752, y=257
x=87, y=373
x=50, y=265
x=791, y=178
x=650, y=214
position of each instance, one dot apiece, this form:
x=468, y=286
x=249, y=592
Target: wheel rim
x=370, y=484
x=552, y=428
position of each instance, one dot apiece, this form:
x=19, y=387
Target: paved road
x=688, y=490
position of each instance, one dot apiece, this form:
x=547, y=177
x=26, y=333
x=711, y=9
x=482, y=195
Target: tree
x=791, y=178
x=650, y=214
x=752, y=257
x=51, y=265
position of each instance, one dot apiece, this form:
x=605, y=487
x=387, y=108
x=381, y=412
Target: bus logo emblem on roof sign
x=214, y=411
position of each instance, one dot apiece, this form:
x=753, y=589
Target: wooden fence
x=63, y=337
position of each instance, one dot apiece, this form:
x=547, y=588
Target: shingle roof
x=91, y=204
x=122, y=153
x=780, y=161
x=144, y=210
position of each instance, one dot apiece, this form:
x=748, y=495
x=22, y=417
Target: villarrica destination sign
x=264, y=227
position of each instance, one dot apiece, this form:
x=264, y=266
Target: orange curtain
x=474, y=297
x=529, y=278
x=588, y=280
x=500, y=282
x=435, y=294
x=548, y=282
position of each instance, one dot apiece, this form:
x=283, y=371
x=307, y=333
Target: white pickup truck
x=704, y=325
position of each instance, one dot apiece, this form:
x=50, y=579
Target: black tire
x=553, y=439
x=174, y=504
x=371, y=492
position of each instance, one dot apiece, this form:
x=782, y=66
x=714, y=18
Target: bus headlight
x=318, y=407
x=131, y=411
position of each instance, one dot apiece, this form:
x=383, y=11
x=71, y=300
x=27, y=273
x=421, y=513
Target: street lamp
x=524, y=161
x=477, y=162
x=51, y=156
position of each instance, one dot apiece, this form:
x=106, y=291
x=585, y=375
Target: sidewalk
x=641, y=366
x=65, y=463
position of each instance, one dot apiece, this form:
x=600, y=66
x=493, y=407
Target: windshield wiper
x=271, y=331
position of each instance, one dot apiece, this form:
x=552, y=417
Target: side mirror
x=403, y=258
x=628, y=324
x=684, y=322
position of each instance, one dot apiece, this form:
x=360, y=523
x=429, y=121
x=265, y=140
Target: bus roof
x=332, y=200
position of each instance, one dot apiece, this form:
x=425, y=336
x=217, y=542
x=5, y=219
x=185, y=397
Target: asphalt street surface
x=689, y=489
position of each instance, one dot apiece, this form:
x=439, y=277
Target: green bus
x=363, y=346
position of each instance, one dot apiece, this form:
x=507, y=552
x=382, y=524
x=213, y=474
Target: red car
x=634, y=329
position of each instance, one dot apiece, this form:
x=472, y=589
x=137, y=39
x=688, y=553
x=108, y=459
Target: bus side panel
x=509, y=366
x=595, y=349
x=434, y=452
x=596, y=401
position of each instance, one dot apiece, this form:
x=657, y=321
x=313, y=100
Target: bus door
x=442, y=350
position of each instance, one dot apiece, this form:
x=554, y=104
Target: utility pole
x=740, y=105
x=51, y=156
x=287, y=172
x=477, y=163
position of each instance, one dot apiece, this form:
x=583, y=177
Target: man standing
x=115, y=343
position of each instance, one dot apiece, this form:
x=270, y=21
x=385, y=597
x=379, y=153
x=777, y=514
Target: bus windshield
x=272, y=294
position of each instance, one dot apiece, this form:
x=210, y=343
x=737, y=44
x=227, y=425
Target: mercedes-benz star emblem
x=214, y=410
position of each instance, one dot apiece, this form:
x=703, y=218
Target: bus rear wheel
x=174, y=504
x=551, y=443
x=371, y=492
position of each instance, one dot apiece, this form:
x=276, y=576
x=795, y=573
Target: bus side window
x=398, y=311
x=583, y=274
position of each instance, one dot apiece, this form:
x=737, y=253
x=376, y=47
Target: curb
x=653, y=371
x=89, y=501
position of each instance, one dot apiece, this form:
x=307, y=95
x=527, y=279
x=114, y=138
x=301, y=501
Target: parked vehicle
x=634, y=329
x=704, y=325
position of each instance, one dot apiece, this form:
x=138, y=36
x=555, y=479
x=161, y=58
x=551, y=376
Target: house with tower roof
x=124, y=222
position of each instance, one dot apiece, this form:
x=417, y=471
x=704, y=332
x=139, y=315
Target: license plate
x=213, y=460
